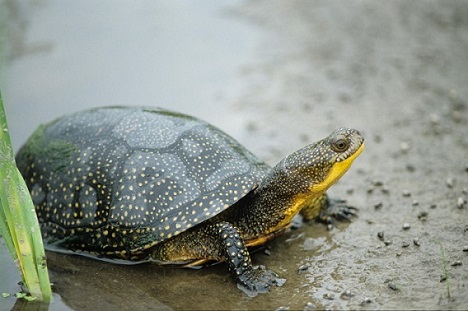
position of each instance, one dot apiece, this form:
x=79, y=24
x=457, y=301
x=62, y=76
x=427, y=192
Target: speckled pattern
x=116, y=181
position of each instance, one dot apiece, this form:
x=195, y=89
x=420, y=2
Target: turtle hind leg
x=219, y=242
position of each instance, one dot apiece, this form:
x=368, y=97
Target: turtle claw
x=258, y=280
x=337, y=210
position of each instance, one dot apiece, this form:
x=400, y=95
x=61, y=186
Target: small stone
x=461, y=202
x=350, y=190
x=392, y=286
x=267, y=252
x=404, y=146
x=303, y=268
x=388, y=242
x=415, y=203
x=416, y=242
x=422, y=216
x=465, y=191
x=406, y=226
x=377, y=183
x=465, y=248
x=443, y=278
x=398, y=254
x=370, y=189
x=456, y=263
x=434, y=119
x=450, y=182
x=380, y=235
x=385, y=190
x=404, y=244
x=347, y=293
x=329, y=296
x=366, y=300
x=406, y=193
x=282, y=308
x=433, y=205
x=378, y=205
x=309, y=306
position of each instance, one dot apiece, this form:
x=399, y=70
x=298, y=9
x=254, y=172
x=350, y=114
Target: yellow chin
x=336, y=172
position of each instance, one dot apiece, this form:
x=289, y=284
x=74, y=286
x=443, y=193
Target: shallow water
x=276, y=75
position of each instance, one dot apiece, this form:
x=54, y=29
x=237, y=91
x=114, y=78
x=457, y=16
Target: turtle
x=146, y=184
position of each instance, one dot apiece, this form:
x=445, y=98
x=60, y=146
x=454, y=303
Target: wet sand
x=394, y=70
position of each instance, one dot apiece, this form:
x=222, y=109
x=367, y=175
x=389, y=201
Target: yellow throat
x=302, y=200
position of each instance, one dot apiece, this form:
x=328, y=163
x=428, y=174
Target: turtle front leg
x=218, y=242
x=328, y=210
x=250, y=279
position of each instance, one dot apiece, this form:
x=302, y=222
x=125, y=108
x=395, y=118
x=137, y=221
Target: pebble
x=404, y=244
x=378, y=205
x=404, y=146
x=450, y=182
x=380, y=235
x=329, y=296
x=443, y=278
x=267, y=252
x=434, y=119
x=422, y=216
x=392, y=286
x=303, y=268
x=347, y=293
x=350, y=190
x=282, y=308
x=388, y=242
x=406, y=193
x=416, y=242
x=415, y=203
x=406, y=226
x=309, y=306
x=461, y=202
x=433, y=205
x=465, y=248
x=366, y=300
x=385, y=190
x=377, y=183
x=456, y=263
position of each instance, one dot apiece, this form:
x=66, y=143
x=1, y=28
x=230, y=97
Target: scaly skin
x=297, y=184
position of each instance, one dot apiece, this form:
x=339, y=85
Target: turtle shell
x=115, y=181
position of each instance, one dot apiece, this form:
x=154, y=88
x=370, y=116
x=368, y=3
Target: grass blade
x=18, y=221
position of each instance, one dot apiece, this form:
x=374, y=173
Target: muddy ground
x=397, y=71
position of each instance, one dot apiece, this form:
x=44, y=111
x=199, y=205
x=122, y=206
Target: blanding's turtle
x=145, y=184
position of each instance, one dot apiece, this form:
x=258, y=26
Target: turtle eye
x=340, y=144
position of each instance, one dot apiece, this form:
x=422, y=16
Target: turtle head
x=314, y=168
x=297, y=181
